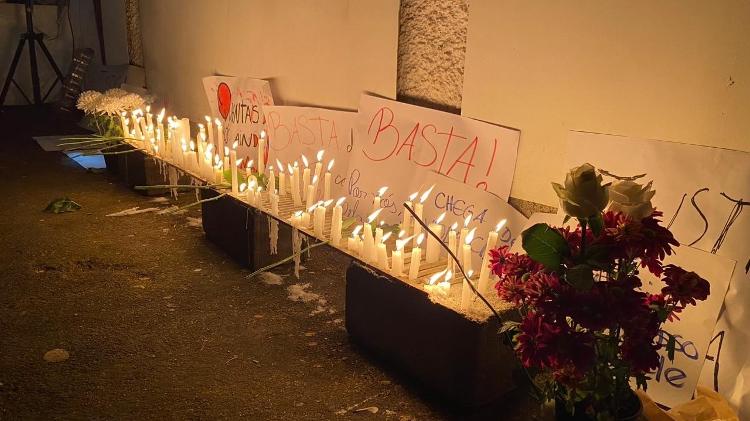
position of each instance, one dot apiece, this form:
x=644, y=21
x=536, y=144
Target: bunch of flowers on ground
x=586, y=324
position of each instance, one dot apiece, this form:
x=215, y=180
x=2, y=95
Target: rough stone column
x=133, y=21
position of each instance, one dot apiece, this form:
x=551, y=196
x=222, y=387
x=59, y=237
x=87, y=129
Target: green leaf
x=62, y=205
x=348, y=222
x=596, y=223
x=597, y=256
x=581, y=277
x=671, y=343
x=545, y=245
x=508, y=326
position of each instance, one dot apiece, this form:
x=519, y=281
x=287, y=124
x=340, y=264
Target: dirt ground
x=159, y=323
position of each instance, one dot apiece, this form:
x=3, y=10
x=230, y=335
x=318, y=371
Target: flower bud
x=584, y=195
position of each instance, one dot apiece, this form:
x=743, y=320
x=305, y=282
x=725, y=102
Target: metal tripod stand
x=31, y=38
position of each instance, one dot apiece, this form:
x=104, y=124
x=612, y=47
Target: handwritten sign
x=674, y=382
x=398, y=144
x=294, y=131
x=689, y=182
x=238, y=103
x=458, y=201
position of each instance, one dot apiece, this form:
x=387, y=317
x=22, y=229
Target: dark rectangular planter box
x=460, y=360
x=241, y=231
x=136, y=168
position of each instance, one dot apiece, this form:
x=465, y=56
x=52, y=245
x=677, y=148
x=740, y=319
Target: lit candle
x=382, y=252
x=149, y=122
x=282, y=178
x=199, y=140
x=193, y=162
x=218, y=176
x=368, y=241
x=233, y=166
x=352, y=241
x=136, y=123
x=305, y=219
x=306, y=172
x=433, y=244
x=406, y=221
x=327, y=182
x=416, y=256
x=311, y=193
x=251, y=191
x=210, y=130
x=376, y=199
x=452, y=243
x=295, y=185
x=379, y=232
x=124, y=124
x=226, y=156
x=262, y=152
x=296, y=219
x=464, y=233
x=336, y=222
x=442, y=288
x=466, y=250
x=397, y=258
x=418, y=210
x=219, y=137
x=319, y=164
x=484, y=272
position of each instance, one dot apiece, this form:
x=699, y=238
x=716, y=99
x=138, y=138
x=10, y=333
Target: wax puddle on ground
x=299, y=293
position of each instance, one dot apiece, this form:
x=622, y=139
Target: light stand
x=31, y=37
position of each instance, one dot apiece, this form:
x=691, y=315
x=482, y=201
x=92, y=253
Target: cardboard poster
x=458, y=201
x=294, y=131
x=695, y=188
x=398, y=144
x=238, y=103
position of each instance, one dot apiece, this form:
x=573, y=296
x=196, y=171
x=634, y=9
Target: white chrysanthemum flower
x=132, y=101
x=110, y=105
x=88, y=101
x=115, y=92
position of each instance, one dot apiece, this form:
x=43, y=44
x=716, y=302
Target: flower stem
x=583, y=222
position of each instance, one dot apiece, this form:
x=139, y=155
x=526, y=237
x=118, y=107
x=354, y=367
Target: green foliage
x=62, y=205
x=348, y=222
x=103, y=125
x=545, y=245
x=581, y=277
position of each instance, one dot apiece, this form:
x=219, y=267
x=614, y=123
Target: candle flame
x=420, y=239
x=330, y=165
x=437, y=276
x=262, y=134
x=470, y=236
x=312, y=208
x=243, y=186
x=148, y=108
x=226, y=151
x=201, y=127
x=413, y=196
x=327, y=203
x=382, y=190
x=161, y=115
x=448, y=276
x=250, y=163
x=298, y=214
x=401, y=243
x=500, y=225
x=278, y=164
x=217, y=160
x=340, y=201
x=386, y=237
x=470, y=273
x=401, y=233
x=202, y=135
x=234, y=145
x=426, y=194
x=356, y=230
x=208, y=119
x=304, y=161
x=218, y=123
x=467, y=220
x=454, y=226
x=374, y=215
x=289, y=167
x=239, y=161
x=251, y=183
x=315, y=179
x=192, y=145
x=319, y=155
x=440, y=218
x=184, y=146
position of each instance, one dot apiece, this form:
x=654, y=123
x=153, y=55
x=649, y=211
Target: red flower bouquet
x=587, y=327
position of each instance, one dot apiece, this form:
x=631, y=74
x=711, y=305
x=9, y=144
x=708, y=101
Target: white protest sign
x=458, y=201
x=399, y=143
x=674, y=382
x=689, y=181
x=238, y=103
x=294, y=131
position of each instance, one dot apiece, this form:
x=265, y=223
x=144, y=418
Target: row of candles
x=203, y=157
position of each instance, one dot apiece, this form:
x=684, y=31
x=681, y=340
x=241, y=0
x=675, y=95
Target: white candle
x=466, y=292
x=271, y=179
x=295, y=185
x=382, y=253
x=406, y=221
x=124, y=124
x=296, y=219
x=210, y=130
x=452, y=243
x=149, y=122
x=305, y=220
x=262, y=152
x=484, y=272
x=310, y=195
x=218, y=173
x=466, y=250
x=442, y=288
x=319, y=220
x=464, y=233
x=368, y=244
x=418, y=209
x=233, y=166
x=219, y=137
x=378, y=195
x=199, y=140
x=274, y=203
x=416, y=256
x=397, y=257
x=379, y=233
x=306, y=172
x=327, y=182
x=352, y=242
x=433, y=244
x=282, y=178
x=336, y=222
x=137, y=124
x=319, y=164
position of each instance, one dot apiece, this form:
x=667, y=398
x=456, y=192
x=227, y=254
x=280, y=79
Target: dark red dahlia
x=684, y=287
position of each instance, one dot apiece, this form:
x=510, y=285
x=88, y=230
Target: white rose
x=583, y=195
x=632, y=199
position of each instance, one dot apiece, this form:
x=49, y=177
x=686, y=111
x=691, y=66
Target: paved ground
x=160, y=324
